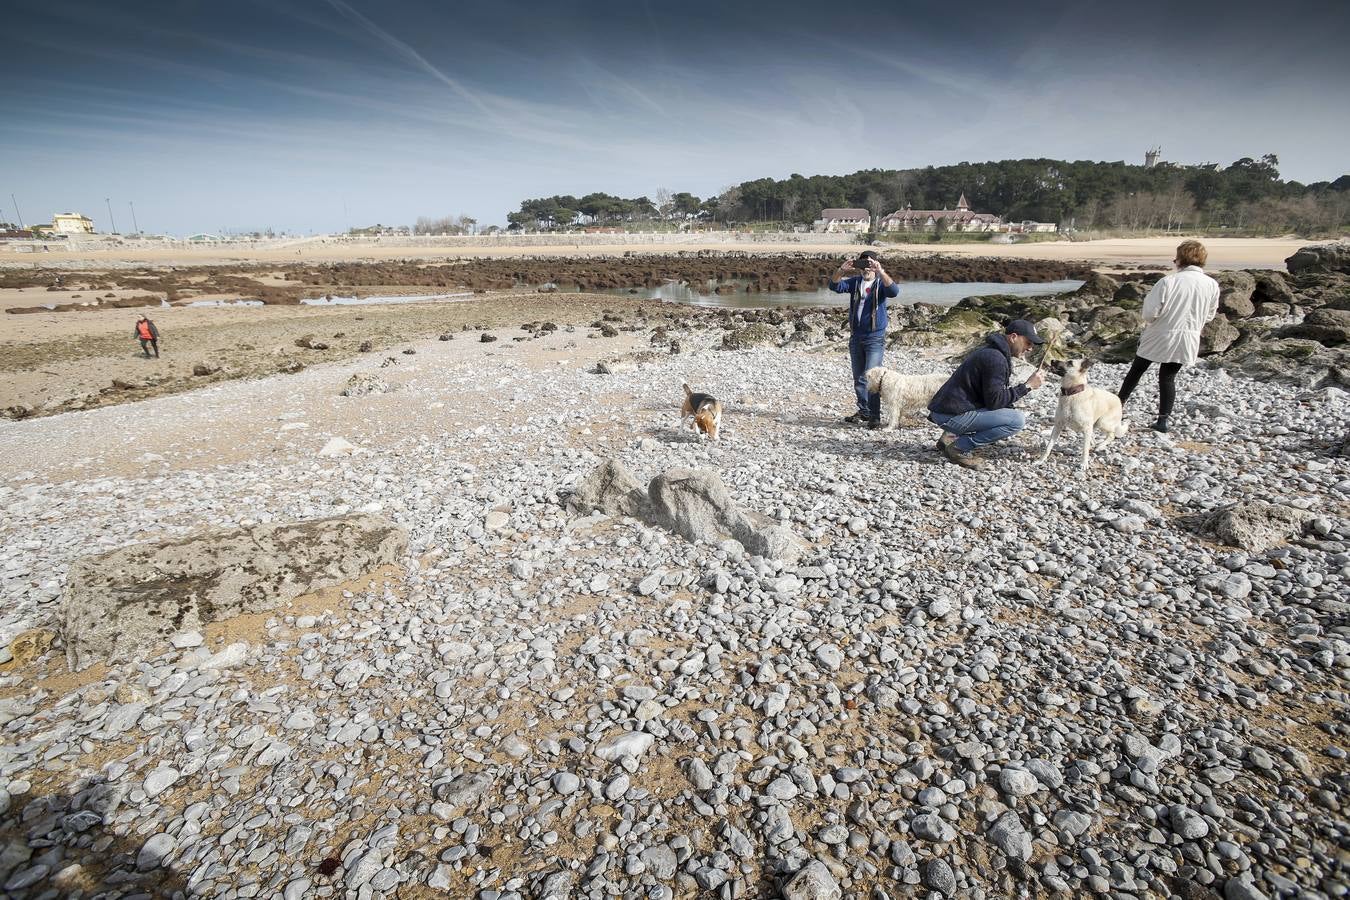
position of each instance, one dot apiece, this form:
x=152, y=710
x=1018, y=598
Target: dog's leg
x=1050, y=443
x=717, y=426
x=1087, y=448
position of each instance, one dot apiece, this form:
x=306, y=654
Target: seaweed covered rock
x=751, y=336
x=1111, y=324
x=1330, y=327
x=1098, y=286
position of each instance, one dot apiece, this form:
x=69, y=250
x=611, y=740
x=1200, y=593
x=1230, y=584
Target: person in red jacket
x=148, y=335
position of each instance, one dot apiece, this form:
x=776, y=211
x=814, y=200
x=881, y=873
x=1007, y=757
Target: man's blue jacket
x=873, y=311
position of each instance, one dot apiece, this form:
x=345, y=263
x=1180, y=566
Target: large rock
x=1256, y=526
x=1098, y=285
x=1218, y=335
x=813, y=881
x=1330, y=327
x=133, y=598
x=751, y=336
x=1235, y=293
x=1295, y=360
x=1111, y=324
x=1320, y=258
x=1272, y=288
x=611, y=489
x=691, y=502
x=694, y=503
x=364, y=383
x=1131, y=290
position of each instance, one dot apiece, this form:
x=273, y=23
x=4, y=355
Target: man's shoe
x=1160, y=425
x=875, y=423
x=856, y=419
x=943, y=441
x=964, y=460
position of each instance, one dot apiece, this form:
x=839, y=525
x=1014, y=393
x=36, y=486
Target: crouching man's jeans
x=980, y=427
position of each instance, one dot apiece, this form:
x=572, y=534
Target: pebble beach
x=1015, y=682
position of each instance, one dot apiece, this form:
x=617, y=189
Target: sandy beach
x=1224, y=253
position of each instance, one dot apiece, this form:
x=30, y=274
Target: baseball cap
x=1025, y=329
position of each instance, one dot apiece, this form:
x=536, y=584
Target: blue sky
x=314, y=115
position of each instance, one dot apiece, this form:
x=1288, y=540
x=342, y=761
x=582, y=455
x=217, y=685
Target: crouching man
x=975, y=406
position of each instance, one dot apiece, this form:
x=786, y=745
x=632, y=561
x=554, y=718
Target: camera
x=863, y=263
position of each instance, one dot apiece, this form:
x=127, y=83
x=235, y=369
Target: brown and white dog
x=1083, y=408
x=901, y=394
x=706, y=411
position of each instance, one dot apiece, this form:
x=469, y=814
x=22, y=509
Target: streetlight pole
x=136, y=228
x=111, y=217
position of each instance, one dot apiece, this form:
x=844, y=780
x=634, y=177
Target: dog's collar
x=1069, y=392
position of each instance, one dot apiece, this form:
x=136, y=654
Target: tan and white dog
x=706, y=411
x=901, y=394
x=1084, y=409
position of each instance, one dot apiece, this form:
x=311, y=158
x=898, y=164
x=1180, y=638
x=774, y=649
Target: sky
x=318, y=115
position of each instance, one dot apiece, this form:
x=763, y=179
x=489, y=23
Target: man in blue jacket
x=975, y=406
x=868, y=292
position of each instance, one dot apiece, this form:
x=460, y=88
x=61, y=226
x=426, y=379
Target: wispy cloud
x=410, y=55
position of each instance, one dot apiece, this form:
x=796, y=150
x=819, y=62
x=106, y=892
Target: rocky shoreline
x=571, y=683
x=289, y=284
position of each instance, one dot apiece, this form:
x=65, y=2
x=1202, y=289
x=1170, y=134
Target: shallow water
x=938, y=294
x=386, y=301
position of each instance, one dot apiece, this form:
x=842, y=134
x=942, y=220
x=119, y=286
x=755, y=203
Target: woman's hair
x=1192, y=253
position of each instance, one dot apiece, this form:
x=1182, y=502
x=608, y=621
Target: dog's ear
x=1085, y=365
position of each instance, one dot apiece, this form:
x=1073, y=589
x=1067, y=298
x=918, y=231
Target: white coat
x=1175, y=311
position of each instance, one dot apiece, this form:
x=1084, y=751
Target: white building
x=72, y=223
x=845, y=220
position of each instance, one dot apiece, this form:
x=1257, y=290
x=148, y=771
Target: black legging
x=1167, y=383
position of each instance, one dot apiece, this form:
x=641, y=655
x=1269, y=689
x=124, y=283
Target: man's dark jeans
x=865, y=351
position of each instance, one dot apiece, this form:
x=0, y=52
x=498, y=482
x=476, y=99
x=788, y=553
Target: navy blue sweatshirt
x=981, y=381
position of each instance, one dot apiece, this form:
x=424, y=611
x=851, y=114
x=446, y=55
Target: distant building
x=72, y=223
x=845, y=220
x=1151, y=157
x=378, y=230
x=960, y=219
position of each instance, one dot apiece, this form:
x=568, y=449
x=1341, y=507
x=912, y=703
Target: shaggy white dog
x=901, y=394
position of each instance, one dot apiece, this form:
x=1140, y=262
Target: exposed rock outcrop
x=691, y=502
x=128, y=600
x=1256, y=526
x=1334, y=257
x=364, y=383
x=1235, y=293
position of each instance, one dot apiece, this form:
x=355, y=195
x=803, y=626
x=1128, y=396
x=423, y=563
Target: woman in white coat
x=1174, y=312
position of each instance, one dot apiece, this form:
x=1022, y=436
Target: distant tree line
x=600, y=209
x=1247, y=194
x=460, y=224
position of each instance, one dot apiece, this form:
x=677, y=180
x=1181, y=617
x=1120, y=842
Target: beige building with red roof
x=960, y=219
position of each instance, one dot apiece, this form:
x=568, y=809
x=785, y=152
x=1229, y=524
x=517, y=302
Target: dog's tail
x=687, y=390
